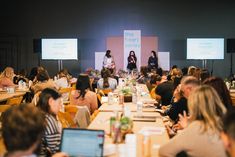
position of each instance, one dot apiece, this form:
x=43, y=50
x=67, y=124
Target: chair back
x=82, y=117
x=14, y=100
x=95, y=113
x=233, y=100
x=66, y=120
x=2, y=147
x=71, y=109
x=66, y=92
x=105, y=91
x=152, y=93
x=3, y=108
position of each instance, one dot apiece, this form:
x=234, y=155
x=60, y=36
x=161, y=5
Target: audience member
x=6, y=77
x=164, y=91
x=83, y=96
x=181, y=94
x=22, y=130
x=201, y=136
x=106, y=82
x=21, y=77
x=43, y=81
x=50, y=102
x=62, y=81
x=204, y=74
x=191, y=70
x=160, y=71
x=222, y=90
x=228, y=133
x=184, y=71
x=33, y=74
x=143, y=78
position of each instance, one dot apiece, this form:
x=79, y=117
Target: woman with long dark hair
x=83, y=96
x=153, y=61
x=222, y=90
x=106, y=81
x=131, y=61
x=50, y=102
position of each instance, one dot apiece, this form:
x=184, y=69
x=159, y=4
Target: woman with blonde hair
x=201, y=137
x=6, y=77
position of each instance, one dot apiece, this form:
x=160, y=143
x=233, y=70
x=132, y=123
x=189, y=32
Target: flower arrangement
x=122, y=73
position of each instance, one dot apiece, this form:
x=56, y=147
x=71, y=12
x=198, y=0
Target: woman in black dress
x=131, y=61
x=153, y=61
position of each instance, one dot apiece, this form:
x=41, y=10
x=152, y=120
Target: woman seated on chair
x=106, y=82
x=50, y=102
x=43, y=81
x=6, y=77
x=201, y=137
x=83, y=96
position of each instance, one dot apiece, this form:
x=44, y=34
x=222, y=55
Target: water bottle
x=134, y=98
x=134, y=95
x=20, y=84
x=110, y=98
x=139, y=108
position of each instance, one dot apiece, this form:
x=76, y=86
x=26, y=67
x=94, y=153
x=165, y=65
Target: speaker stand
x=204, y=62
x=60, y=65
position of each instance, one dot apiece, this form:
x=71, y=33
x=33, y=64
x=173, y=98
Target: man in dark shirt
x=187, y=86
x=164, y=91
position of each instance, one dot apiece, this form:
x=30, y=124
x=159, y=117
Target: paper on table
x=104, y=99
x=152, y=130
x=149, y=101
x=109, y=149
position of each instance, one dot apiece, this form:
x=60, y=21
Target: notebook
x=82, y=142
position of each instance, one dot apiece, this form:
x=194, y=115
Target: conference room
x=117, y=78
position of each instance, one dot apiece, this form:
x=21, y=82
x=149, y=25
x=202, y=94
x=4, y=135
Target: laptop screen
x=82, y=142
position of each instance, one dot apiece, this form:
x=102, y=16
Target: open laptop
x=82, y=142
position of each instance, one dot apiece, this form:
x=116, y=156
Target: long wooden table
x=102, y=122
x=133, y=107
x=4, y=95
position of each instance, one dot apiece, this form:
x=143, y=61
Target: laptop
x=82, y=142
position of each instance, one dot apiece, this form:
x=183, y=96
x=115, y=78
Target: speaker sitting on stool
x=37, y=45
x=231, y=45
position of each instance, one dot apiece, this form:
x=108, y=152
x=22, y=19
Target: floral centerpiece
x=126, y=126
x=119, y=128
x=127, y=92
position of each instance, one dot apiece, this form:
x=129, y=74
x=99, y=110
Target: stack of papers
x=152, y=130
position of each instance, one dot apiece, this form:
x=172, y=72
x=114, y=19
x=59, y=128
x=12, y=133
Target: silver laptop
x=82, y=142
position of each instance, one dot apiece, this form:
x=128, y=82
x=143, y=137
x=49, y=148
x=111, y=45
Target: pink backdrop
x=115, y=44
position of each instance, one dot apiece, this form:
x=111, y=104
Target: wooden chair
x=2, y=147
x=3, y=108
x=14, y=100
x=99, y=97
x=233, y=100
x=152, y=93
x=36, y=98
x=105, y=91
x=66, y=120
x=71, y=109
x=66, y=92
x=95, y=113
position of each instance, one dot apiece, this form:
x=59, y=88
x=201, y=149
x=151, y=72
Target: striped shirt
x=52, y=135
